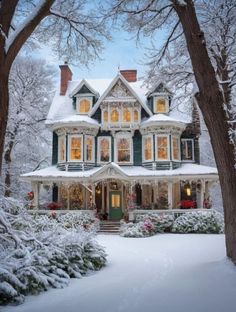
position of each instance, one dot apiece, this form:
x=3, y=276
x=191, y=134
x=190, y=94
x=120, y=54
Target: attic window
x=84, y=105
x=160, y=105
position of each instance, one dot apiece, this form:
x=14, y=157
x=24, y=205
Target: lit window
x=123, y=150
x=126, y=115
x=84, y=106
x=61, y=149
x=89, y=142
x=76, y=148
x=136, y=116
x=105, y=116
x=175, y=148
x=187, y=150
x=160, y=105
x=162, y=148
x=104, y=149
x=148, y=149
x=114, y=115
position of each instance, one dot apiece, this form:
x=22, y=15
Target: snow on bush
x=199, y=222
x=147, y=225
x=37, y=252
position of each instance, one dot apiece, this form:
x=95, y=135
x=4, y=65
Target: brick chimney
x=66, y=75
x=129, y=74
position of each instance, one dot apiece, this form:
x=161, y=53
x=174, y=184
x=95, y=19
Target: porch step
x=109, y=227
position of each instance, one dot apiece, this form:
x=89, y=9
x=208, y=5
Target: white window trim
x=187, y=160
x=120, y=115
x=123, y=136
x=131, y=115
x=155, y=98
x=143, y=147
x=99, y=150
x=60, y=138
x=139, y=115
x=168, y=147
x=108, y=117
x=69, y=145
x=172, y=148
x=85, y=149
x=80, y=98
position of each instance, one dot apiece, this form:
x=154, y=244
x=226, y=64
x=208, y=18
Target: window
x=136, y=116
x=160, y=105
x=75, y=148
x=61, y=149
x=89, y=148
x=114, y=115
x=104, y=149
x=84, y=105
x=187, y=149
x=126, y=115
x=162, y=147
x=105, y=116
x=123, y=150
x=147, y=148
x=175, y=148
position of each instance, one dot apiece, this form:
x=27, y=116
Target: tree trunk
x=7, y=158
x=211, y=103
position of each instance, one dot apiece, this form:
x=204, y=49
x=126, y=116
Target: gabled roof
x=162, y=119
x=80, y=85
x=112, y=84
x=110, y=170
x=160, y=87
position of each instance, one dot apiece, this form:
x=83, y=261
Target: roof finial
x=118, y=67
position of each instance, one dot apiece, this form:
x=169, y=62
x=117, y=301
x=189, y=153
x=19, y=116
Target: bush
x=199, y=222
x=38, y=252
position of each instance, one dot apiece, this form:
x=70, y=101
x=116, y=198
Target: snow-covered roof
x=163, y=119
x=129, y=172
x=73, y=120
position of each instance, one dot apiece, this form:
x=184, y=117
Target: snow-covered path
x=163, y=273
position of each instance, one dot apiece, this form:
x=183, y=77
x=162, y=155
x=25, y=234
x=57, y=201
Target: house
x=120, y=147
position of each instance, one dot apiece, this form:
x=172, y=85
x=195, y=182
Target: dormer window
x=84, y=105
x=161, y=105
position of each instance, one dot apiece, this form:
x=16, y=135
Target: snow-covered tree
x=27, y=141
x=209, y=65
x=72, y=27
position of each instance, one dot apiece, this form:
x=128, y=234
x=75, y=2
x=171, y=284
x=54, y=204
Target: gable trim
x=81, y=84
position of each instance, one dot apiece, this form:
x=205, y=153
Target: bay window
x=89, y=148
x=175, y=148
x=162, y=147
x=104, y=149
x=76, y=148
x=61, y=148
x=148, y=148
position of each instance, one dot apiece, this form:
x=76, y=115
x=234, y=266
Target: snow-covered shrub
x=162, y=222
x=135, y=229
x=199, y=222
x=37, y=252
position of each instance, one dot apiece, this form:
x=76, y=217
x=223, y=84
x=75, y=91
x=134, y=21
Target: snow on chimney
x=129, y=74
x=66, y=75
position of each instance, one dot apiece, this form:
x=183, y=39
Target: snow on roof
x=186, y=170
x=162, y=118
x=74, y=119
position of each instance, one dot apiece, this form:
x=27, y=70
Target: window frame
x=193, y=156
x=117, y=138
x=99, y=161
x=139, y=113
x=168, y=147
x=81, y=98
x=119, y=115
x=60, y=138
x=130, y=112
x=155, y=98
x=103, y=111
x=69, y=147
x=143, y=148
x=172, y=147
x=85, y=149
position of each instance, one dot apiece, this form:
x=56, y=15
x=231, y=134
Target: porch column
x=103, y=204
x=202, y=192
x=36, y=189
x=170, y=194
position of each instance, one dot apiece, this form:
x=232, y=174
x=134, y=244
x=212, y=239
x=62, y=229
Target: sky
x=122, y=52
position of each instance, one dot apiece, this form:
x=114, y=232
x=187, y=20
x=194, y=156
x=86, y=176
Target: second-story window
x=187, y=149
x=123, y=150
x=104, y=149
x=136, y=116
x=84, y=105
x=89, y=148
x=148, y=148
x=105, y=116
x=175, y=148
x=126, y=115
x=162, y=147
x=160, y=105
x=114, y=115
x=76, y=148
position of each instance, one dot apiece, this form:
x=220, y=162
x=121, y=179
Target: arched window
x=126, y=115
x=104, y=149
x=105, y=116
x=136, y=116
x=114, y=115
x=84, y=106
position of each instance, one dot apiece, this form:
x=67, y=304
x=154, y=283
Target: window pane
x=162, y=148
x=123, y=148
x=135, y=116
x=89, y=148
x=104, y=149
x=114, y=116
x=105, y=116
x=160, y=105
x=75, y=149
x=148, y=148
x=175, y=148
x=61, y=149
x=84, y=106
x=187, y=149
x=126, y=115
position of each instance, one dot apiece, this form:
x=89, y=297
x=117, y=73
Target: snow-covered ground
x=163, y=273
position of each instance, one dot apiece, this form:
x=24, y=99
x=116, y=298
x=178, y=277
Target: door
x=115, y=205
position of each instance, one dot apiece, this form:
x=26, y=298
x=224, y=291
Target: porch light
x=188, y=190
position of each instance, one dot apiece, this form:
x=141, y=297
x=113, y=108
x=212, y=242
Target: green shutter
x=137, y=146
x=54, y=149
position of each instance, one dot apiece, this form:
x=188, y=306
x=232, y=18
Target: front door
x=115, y=205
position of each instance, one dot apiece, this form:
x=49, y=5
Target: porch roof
x=127, y=173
